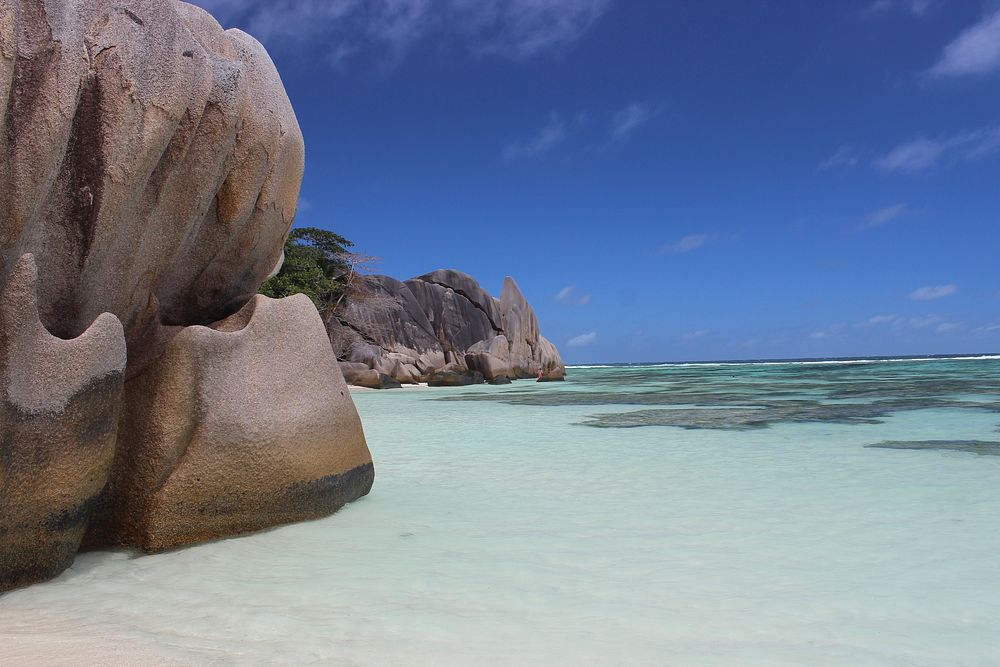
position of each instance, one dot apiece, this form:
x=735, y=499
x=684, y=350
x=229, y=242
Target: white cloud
x=878, y=320
x=975, y=51
x=922, y=153
x=931, y=292
x=914, y=7
x=569, y=296
x=522, y=29
x=924, y=321
x=553, y=133
x=687, y=243
x=898, y=323
x=883, y=216
x=512, y=29
x=631, y=118
x=843, y=157
x=582, y=340
x=913, y=156
x=694, y=335
x=828, y=332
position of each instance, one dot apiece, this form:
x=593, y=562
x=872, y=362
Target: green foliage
x=316, y=264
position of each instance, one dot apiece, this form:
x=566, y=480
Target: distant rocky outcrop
x=442, y=328
x=150, y=165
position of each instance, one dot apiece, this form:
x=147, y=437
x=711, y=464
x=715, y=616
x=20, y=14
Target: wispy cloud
x=843, y=157
x=882, y=216
x=692, y=336
x=628, y=120
x=923, y=322
x=687, y=243
x=975, y=51
x=899, y=323
x=878, y=320
x=513, y=29
x=932, y=292
x=551, y=134
x=523, y=29
x=922, y=153
x=913, y=7
x=583, y=340
x=568, y=295
x=829, y=332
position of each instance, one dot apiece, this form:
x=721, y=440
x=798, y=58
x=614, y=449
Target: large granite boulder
x=491, y=358
x=387, y=331
x=444, y=318
x=150, y=162
x=453, y=376
x=360, y=375
x=201, y=456
x=457, y=321
x=59, y=401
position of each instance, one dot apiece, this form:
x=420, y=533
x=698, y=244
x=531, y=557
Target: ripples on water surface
x=828, y=514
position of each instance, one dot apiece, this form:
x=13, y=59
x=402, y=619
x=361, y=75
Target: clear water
x=565, y=524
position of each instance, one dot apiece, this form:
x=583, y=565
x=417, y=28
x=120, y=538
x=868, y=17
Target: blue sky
x=666, y=180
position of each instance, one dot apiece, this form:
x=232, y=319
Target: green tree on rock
x=319, y=264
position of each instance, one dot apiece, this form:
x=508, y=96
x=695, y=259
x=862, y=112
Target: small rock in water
x=451, y=378
x=981, y=447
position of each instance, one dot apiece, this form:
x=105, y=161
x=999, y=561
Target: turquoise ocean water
x=754, y=514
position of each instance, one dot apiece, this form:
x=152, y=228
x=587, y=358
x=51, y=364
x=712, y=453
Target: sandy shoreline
x=419, y=385
x=31, y=637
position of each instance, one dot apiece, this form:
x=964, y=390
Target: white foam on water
x=510, y=535
x=801, y=362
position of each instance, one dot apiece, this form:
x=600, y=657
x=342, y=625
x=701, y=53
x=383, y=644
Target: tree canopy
x=318, y=263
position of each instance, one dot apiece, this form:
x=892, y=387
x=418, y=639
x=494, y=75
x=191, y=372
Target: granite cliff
x=150, y=164
x=441, y=328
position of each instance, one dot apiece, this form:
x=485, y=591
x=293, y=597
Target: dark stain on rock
x=74, y=518
x=242, y=512
x=34, y=60
x=85, y=167
x=131, y=15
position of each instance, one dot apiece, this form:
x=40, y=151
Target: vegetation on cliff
x=319, y=264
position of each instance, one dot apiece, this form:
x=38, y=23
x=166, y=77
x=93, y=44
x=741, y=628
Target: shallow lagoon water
x=523, y=525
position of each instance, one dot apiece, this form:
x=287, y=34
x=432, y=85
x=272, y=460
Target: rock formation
x=60, y=406
x=442, y=328
x=235, y=427
x=150, y=164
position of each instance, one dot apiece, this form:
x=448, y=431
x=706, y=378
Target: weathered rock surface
x=200, y=456
x=60, y=402
x=442, y=321
x=362, y=376
x=148, y=159
x=453, y=376
x=150, y=162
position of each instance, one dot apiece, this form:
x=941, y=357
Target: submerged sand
x=32, y=637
